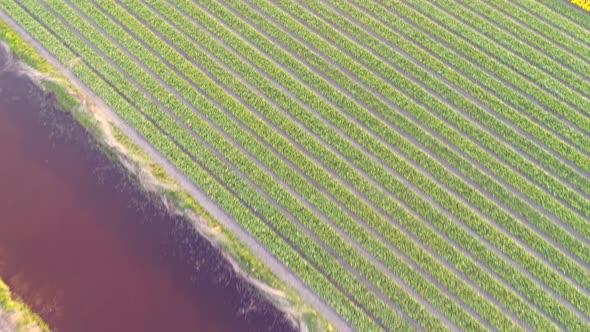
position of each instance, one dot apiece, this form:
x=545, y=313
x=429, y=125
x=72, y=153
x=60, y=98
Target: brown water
x=89, y=251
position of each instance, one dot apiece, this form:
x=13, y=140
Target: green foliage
x=22, y=50
x=330, y=140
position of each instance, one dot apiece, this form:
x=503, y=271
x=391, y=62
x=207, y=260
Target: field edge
x=125, y=146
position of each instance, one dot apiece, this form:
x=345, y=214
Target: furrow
x=193, y=134
x=556, y=91
x=571, y=12
x=283, y=21
x=559, y=91
x=130, y=78
x=584, y=187
x=534, y=49
x=508, y=185
x=411, y=165
x=458, y=26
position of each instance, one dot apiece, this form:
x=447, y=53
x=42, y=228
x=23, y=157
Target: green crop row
x=519, y=182
x=583, y=185
x=516, y=159
x=211, y=65
x=571, y=53
x=237, y=132
x=151, y=20
x=476, y=38
x=203, y=16
x=527, y=60
x=250, y=37
x=559, y=22
x=576, y=85
x=380, y=251
x=534, y=266
x=202, y=178
x=564, y=16
x=542, y=244
x=534, y=88
x=235, y=156
x=181, y=160
x=556, y=186
x=351, y=227
x=515, y=117
x=304, y=163
x=546, y=198
x=234, y=185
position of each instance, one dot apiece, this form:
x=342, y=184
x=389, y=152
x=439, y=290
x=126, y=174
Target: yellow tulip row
x=585, y=4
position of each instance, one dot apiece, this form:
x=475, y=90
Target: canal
x=88, y=250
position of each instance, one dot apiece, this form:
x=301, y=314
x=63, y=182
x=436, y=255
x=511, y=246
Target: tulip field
x=419, y=165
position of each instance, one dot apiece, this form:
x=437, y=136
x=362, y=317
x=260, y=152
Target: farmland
x=419, y=165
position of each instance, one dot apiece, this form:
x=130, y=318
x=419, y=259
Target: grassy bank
x=584, y=4
x=25, y=319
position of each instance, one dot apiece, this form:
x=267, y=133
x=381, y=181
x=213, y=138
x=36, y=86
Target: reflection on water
x=83, y=246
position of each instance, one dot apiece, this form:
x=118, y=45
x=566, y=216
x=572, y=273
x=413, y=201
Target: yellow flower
x=585, y=4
